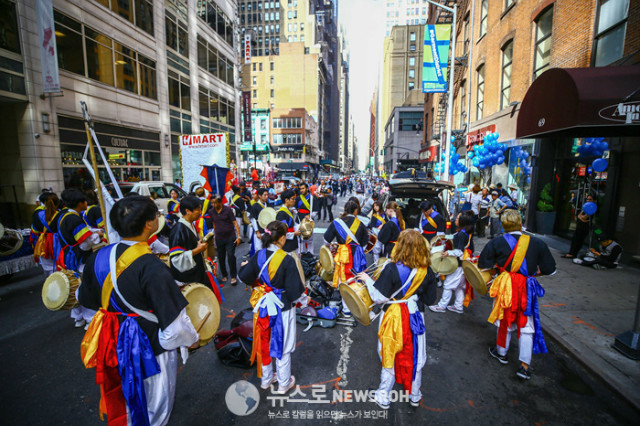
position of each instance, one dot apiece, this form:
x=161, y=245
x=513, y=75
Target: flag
x=217, y=180
x=435, y=57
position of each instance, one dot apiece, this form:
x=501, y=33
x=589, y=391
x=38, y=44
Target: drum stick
x=206, y=317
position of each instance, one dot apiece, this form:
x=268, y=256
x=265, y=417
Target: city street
x=44, y=380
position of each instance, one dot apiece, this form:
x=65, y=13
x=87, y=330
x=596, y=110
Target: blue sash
x=395, y=220
x=534, y=290
x=415, y=319
x=358, y=259
x=276, y=344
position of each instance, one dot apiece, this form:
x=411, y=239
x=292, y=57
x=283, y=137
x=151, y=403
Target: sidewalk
x=584, y=309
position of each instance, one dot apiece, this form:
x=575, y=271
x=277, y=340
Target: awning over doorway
x=582, y=102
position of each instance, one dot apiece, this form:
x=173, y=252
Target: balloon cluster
x=455, y=165
x=521, y=157
x=593, y=147
x=489, y=154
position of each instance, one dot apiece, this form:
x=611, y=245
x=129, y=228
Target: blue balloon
x=482, y=166
x=475, y=162
x=453, y=139
x=528, y=180
x=496, y=136
x=470, y=154
x=500, y=152
x=590, y=208
x=605, y=145
x=600, y=165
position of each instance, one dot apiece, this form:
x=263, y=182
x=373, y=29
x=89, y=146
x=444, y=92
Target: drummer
x=153, y=324
x=93, y=215
x=519, y=258
x=378, y=219
x=307, y=205
x=277, y=275
x=286, y=214
x=456, y=282
x=408, y=274
x=391, y=230
x=262, y=195
x=431, y=222
x=43, y=228
x=352, y=236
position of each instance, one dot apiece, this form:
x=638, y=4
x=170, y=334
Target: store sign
x=477, y=136
x=246, y=115
x=628, y=113
x=197, y=151
x=119, y=142
x=47, y=43
x=247, y=48
x=288, y=148
x=116, y=156
x=428, y=155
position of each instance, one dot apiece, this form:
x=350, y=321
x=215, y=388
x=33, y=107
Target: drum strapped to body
x=203, y=310
x=443, y=265
x=373, y=239
x=479, y=279
x=356, y=296
x=59, y=290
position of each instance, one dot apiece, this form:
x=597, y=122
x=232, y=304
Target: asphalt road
x=44, y=381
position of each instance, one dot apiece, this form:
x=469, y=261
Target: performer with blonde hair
x=519, y=258
x=405, y=286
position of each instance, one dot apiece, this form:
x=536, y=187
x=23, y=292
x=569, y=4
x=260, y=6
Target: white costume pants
x=80, y=312
x=160, y=389
x=257, y=242
x=525, y=341
x=48, y=266
x=377, y=251
x=306, y=245
x=283, y=365
x=453, y=283
x=388, y=377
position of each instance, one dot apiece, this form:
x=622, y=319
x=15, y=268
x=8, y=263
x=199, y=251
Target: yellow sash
x=382, y=221
x=390, y=332
x=501, y=288
x=256, y=295
x=89, y=344
x=305, y=202
x=343, y=255
x=432, y=222
x=286, y=210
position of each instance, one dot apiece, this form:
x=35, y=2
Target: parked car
x=159, y=191
x=410, y=192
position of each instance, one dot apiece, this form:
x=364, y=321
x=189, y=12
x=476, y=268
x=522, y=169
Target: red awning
x=582, y=102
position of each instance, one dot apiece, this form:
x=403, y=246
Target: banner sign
x=197, y=151
x=247, y=48
x=435, y=57
x=246, y=115
x=477, y=136
x=47, y=42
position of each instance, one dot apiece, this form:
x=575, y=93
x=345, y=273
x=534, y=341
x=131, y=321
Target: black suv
x=409, y=192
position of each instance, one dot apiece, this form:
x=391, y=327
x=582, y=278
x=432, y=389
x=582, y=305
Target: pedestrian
x=403, y=288
x=583, y=227
x=475, y=199
x=254, y=176
x=274, y=324
x=519, y=258
x=483, y=212
x=378, y=219
x=246, y=197
x=456, y=282
x=368, y=205
x=286, y=215
x=497, y=207
x=607, y=258
x=329, y=200
x=148, y=310
x=227, y=237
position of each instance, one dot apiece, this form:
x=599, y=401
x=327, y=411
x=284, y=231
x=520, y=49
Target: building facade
x=294, y=136
x=402, y=141
x=141, y=72
x=405, y=12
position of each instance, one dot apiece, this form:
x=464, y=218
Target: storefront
x=132, y=154
x=563, y=110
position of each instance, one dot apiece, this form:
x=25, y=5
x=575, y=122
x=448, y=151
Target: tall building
x=401, y=80
x=405, y=12
x=141, y=71
x=372, y=156
x=344, y=129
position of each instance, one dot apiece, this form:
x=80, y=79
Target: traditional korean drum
x=296, y=258
x=326, y=259
x=356, y=296
x=371, y=243
x=59, y=290
x=203, y=310
x=479, y=279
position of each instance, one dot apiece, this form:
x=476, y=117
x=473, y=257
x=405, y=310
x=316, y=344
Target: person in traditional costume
x=93, y=215
x=431, y=222
x=73, y=242
x=352, y=236
x=44, y=226
x=173, y=208
x=287, y=216
x=277, y=289
x=238, y=205
x=519, y=258
x=405, y=286
x=456, y=283
x=378, y=219
x=307, y=206
x=141, y=321
x=262, y=195
x=391, y=230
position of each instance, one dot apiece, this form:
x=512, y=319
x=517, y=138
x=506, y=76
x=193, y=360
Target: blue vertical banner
x=435, y=57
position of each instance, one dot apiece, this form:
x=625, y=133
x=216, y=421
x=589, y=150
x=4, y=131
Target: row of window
x=255, y=18
x=287, y=123
x=214, y=61
x=138, y=12
x=287, y=139
x=294, y=27
x=273, y=29
x=286, y=156
x=258, y=5
x=177, y=34
x=102, y=59
x=216, y=107
x=214, y=16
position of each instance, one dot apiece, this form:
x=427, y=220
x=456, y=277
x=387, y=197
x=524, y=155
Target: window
x=260, y=66
x=610, y=31
x=463, y=104
x=99, y=53
x=409, y=120
x=272, y=66
x=179, y=91
x=177, y=34
x=505, y=86
x=254, y=66
x=412, y=73
x=138, y=12
x=214, y=16
x=465, y=45
x=255, y=80
x=215, y=62
x=273, y=93
x=480, y=92
x=272, y=79
x=508, y=3
x=69, y=43
x=255, y=93
x=412, y=85
x=412, y=36
x=483, y=17
x=412, y=48
x=412, y=61
x=542, y=51
x=10, y=39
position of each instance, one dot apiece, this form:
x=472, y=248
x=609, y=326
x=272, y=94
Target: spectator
x=583, y=226
x=254, y=175
x=607, y=258
x=497, y=207
x=483, y=212
x=227, y=238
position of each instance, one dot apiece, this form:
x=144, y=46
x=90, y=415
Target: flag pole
x=87, y=127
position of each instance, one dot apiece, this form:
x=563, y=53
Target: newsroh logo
x=242, y=398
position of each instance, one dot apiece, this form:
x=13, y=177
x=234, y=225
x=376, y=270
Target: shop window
x=544, y=25
x=505, y=85
x=10, y=39
x=610, y=31
x=138, y=12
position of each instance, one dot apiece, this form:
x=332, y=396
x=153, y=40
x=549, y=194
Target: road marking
x=319, y=230
x=343, y=362
x=593, y=327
